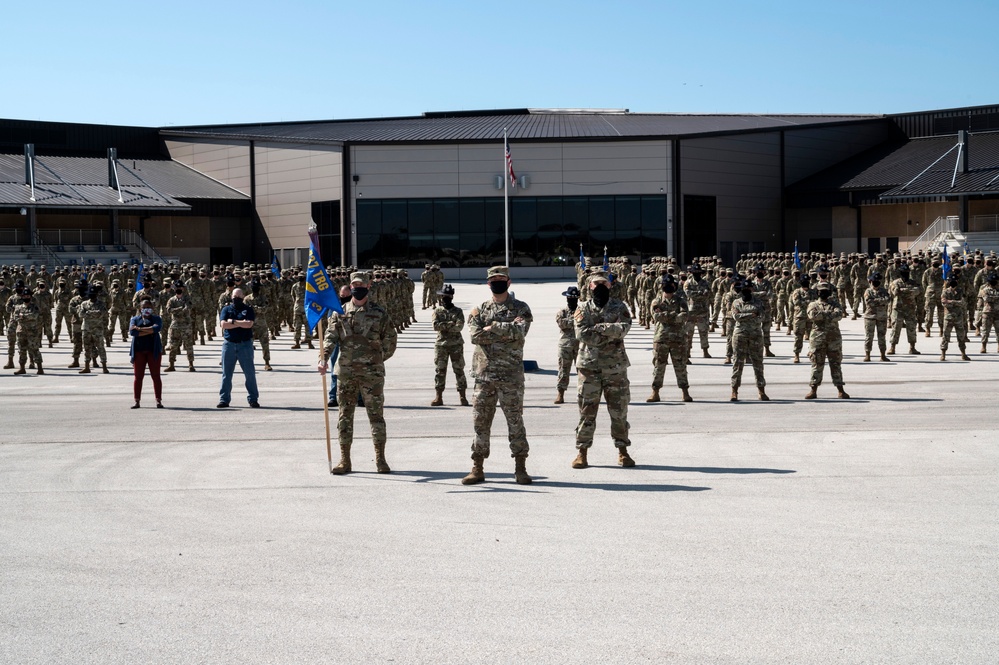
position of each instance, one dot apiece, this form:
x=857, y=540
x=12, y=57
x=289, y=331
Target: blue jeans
x=243, y=353
x=334, y=354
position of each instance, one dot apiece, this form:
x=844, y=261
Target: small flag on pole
x=582, y=257
x=797, y=257
x=320, y=294
x=965, y=249
x=606, y=262
x=138, y=278
x=946, y=263
x=276, y=267
x=509, y=168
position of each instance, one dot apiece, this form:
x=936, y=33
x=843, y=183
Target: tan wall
x=844, y=229
x=989, y=207
x=887, y=221
x=229, y=164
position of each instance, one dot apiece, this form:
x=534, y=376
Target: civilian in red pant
x=147, y=350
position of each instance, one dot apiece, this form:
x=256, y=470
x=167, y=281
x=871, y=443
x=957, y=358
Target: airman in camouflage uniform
x=876, y=300
x=825, y=341
x=988, y=308
x=120, y=312
x=261, y=304
x=448, y=320
x=94, y=317
x=670, y=312
x=28, y=321
x=568, y=345
x=366, y=340
x=181, y=313
x=13, y=300
x=76, y=321
x=904, y=293
x=955, y=316
x=933, y=286
x=698, y=296
x=42, y=298
x=747, y=338
x=602, y=369
x=498, y=328
x=299, y=320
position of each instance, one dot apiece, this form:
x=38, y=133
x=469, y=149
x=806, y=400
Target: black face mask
x=499, y=286
x=344, y=300
x=601, y=294
x=359, y=292
x=747, y=294
x=824, y=295
x=237, y=303
x=875, y=283
x=573, y=303
x=447, y=302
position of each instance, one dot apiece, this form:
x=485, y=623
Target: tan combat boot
x=654, y=397
x=10, y=361
x=912, y=350
x=40, y=370
x=171, y=368
x=884, y=358
x=964, y=355
x=842, y=393
x=891, y=351
x=344, y=465
x=943, y=356
x=190, y=366
x=104, y=368
x=462, y=398
x=623, y=458
x=812, y=392
x=735, y=395
x=267, y=367
x=728, y=360
x=296, y=345
x=763, y=396
x=797, y=359
x=867, y=356
x=74, y=364
x=202, y=336
x=560, y=397
x=86, y=368
x=685, y=396
x=520, y=470
x=439, y=400
x=476, y=475
x=984, y=350
x=309, y=342
x=380, y=464
x=580, y=461
x=769, y=353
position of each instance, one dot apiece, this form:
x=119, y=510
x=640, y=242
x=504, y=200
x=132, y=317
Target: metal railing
x=931, y=236
x=983, y=224
x=71, y=237
x=43, y=249
x=11, y=237
x=148, y=252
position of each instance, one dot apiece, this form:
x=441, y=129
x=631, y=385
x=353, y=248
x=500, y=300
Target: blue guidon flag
x=946, y=263
x=320, y=293
x=276, y=267
x=138, y=278
x=797, y=257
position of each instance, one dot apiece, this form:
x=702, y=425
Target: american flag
x=509, y=168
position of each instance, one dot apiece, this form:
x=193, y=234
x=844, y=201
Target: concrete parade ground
x=792, y=531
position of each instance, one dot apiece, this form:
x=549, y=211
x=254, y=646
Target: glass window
x=602, y=216
x=654, y=213
x=395, y=217
x=369, y=216
x=523, y=217
x=421, y=218
x=576, y=215
x=627, y=216
x=550, y=217
x=472, y=213
x=446, y=216
x=494, y=217
x=472, y=247
x=369, y=250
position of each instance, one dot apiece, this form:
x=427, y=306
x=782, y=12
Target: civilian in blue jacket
x=147, y=350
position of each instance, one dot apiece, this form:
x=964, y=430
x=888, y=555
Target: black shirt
x=243, y=313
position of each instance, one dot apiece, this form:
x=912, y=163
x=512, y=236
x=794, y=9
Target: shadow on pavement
x=503, y=482
x=711, y=469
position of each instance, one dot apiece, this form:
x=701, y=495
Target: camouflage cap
x=823, y=286
x=360, y=276
x=498, y=271
x=598, y=277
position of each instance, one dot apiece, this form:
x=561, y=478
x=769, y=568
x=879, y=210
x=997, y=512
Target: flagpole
x=506, y=203
x=326, y=406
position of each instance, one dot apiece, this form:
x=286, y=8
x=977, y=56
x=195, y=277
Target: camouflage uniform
x=955, y=318
x=669, y=339
x=299, y=320
x=602, y=369
x=568, y=346
x=988, y=307
x=94, y=316
x=366, y=340
x=876, y=301
x=498, y=370
x=28, y=321
x=261, y=324
x=119, y=312
x=826, y=341
x=181, y=333
x=904, y=293
x=448, y=323
x=933, y=285
x=43, y=299
x=747, y=340
x=698, y=295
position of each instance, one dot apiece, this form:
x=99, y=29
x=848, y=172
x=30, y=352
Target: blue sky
x=156, y=63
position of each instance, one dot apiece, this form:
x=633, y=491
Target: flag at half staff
x=320, y=294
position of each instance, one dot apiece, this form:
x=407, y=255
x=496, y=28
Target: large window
x=326, y=215
x=544, y=231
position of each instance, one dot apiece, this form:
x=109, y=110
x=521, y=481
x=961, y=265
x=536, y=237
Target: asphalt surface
x=826, y=531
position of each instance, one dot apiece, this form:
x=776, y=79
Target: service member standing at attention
x=448, y=321
x=367, y=339
x=904, y=293
x=498, y=329
x=747, y=339
x=955, y=316
x=875, y=301
x=602, y=368
x=568, y=345
x=670, y=313
x=825, y=341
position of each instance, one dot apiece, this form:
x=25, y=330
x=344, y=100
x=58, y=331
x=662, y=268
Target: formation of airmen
x=95, y=305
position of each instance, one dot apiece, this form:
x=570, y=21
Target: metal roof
x=82, y=182
x=917, y=168
x=521, y=124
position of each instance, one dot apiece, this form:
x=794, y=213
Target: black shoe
x=332, y=403
x=135, y=406
x=254, y=405
x=159, y=405
x=222, y=405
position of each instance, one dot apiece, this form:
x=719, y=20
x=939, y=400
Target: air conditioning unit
x=524, y=181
